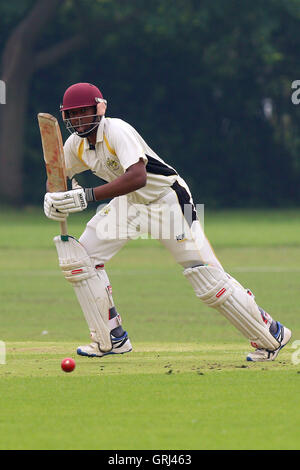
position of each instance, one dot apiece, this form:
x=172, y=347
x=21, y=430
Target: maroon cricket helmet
x=80, y=95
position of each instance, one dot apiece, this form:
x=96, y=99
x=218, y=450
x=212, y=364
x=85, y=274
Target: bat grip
x=64, y=228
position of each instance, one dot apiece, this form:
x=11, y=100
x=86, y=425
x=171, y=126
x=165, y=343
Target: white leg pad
x=90, y=288
x=218, y=290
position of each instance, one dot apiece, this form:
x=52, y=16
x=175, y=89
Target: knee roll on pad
x=218, y=290
x=90, y=288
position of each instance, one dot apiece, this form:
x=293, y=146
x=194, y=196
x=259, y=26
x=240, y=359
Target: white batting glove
x=69, y=201
x=51, y=212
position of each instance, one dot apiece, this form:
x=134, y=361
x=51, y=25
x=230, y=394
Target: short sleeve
x=73, y=164
x=126, y=145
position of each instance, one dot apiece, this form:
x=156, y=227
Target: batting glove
x=50, y=211
x=69, y=201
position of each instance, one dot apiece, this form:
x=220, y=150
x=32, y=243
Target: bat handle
x=64, y=228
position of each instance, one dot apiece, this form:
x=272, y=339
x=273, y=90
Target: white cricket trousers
x=171, y=219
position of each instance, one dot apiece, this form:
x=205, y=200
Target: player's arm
x=134, y=178
x=132, y=160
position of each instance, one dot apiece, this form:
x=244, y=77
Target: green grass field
x=186, y=385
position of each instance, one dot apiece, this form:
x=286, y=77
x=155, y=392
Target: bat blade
x=53, y=151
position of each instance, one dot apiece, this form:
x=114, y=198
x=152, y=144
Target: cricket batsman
x=146, y=195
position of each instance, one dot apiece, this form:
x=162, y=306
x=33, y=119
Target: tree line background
x=206, y=83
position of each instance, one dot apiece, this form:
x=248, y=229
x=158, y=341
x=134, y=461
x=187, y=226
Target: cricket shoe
x=283, y=336
x=120, y=345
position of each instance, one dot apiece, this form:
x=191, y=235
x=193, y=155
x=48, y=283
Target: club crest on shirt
x=112, y=164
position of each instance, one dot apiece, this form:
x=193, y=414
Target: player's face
x=82, y=119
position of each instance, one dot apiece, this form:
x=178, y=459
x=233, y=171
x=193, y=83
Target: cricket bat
x=54, y=157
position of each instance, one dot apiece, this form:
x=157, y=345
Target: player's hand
x=51, y=212
x=69, y=201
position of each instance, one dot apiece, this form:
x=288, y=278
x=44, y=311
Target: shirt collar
x=99, y=137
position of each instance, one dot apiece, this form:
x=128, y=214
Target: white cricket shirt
x=118, y=146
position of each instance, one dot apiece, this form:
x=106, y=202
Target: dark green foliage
x=192, y=77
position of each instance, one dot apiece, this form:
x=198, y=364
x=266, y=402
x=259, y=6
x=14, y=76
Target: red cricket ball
x=68, y=364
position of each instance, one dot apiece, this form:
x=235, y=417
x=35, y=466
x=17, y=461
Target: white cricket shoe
x=283, y=336
x=120, y=346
